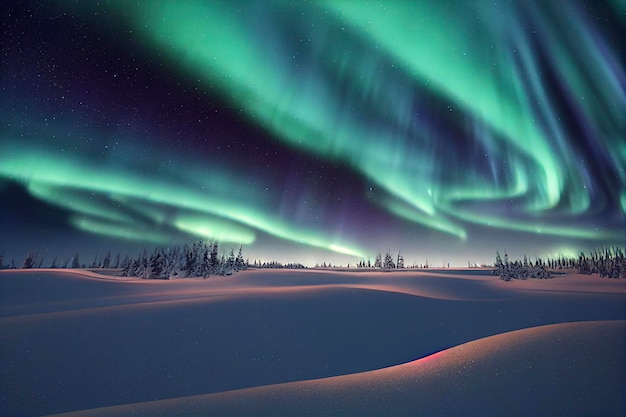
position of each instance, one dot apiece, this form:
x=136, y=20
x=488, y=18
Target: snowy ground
x=312, y=343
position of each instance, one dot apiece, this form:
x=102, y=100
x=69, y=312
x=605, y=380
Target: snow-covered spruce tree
x=517, y=271
x=620, y=264
x=142, y=264
x=400, y=263
x=540, y=271
x=124, y=264
x=200, y=252
x=502, y=268
x=239, y=262
x=498, y=265
x=195, y=269
x=188, y=267
x=130, y=268
x=378, y=263
x=221, y=266
x=584, y=266
x=176, y=262
x=95, y=263
x=168, y=257
x=525, y=270
x=389, y=261
x=156, y=268
x=106, y=262
x=28, y=261
x=507, y=268
x=75, y=262
x=214, y=261
x=231, y=261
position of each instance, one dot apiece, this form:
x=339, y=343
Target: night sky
x=313, y=131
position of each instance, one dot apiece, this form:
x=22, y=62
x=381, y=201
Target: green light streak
x=343, y=249
x=303, y=112
x=124, y=230
x=439, y=223
x=446, y=199
x=77, y=201
x=433, y=47
x=214, y=229
x=46, y=172
x=563, y=252
x=539, y=228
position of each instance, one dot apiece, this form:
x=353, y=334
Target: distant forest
x=202, y=259
x=606, y=262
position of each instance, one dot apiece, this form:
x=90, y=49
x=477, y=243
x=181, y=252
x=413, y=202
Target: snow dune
x=341, y=343
x=572, y=369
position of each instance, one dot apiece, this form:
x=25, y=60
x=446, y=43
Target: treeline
x=34, y=260
x=276, y=265
x=520, y=269
x=198, y=260
x=389, y=262
x=606, y=262
x=383, y=263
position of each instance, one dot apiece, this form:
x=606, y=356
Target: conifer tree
x=213, y=259
x=75, y=262
x=106, y=262
x=125, y=262
x=28, y=261
x=156, y=266
x=378, y=263
x=206, y=265
x=239, y=262
x=230, y=267
x=388, y=263
x=400, y=263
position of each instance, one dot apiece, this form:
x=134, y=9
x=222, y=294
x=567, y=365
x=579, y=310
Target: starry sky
x=314, y=131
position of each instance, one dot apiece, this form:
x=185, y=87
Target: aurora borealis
x=314, y=131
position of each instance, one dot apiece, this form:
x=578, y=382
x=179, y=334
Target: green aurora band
x=454, y=119
x=127, y=195
x=441, y=52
